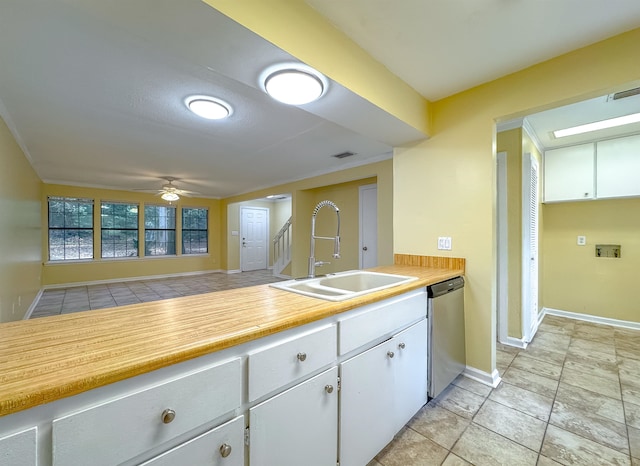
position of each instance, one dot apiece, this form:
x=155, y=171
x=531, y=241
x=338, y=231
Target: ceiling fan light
x=294, y=86
x=170, y=197
x=207, y=107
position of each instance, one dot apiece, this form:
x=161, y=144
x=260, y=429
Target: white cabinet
x=298, y=426
x=120, y=429
x=222, y=446
x=618, y=167
x=569, y=173
x=19, y=449
x=382, y=388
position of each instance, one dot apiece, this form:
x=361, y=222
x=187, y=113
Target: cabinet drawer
x=19, y=449
x=289, y=360
x=120, y=429
x=380, y=320
x=222, y=446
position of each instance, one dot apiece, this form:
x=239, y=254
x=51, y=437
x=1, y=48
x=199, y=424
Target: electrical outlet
x=444, y=243
x=582, y=240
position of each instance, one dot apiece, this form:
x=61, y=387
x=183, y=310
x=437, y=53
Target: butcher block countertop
x=46, y=359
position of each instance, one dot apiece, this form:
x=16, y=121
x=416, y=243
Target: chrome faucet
x=335, y=239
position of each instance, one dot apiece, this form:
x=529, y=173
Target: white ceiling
x=94, y=90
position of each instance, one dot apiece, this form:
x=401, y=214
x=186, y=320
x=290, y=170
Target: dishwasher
x=446, y=338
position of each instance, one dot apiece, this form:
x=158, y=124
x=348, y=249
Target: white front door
x=530, y=209
x=254, y=229
x=368, y=226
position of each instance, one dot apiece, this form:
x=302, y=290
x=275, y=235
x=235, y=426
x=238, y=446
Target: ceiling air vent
x=343, y=155
x=627, y=93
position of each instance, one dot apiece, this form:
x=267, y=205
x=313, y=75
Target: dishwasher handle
x=447, y=286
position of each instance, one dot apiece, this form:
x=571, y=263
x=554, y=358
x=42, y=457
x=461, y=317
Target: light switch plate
x=582, y=240
x=444, y=243
x=234, y=232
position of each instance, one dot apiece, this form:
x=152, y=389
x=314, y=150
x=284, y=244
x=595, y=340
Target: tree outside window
x=159, y=230
x=70, y=228
x=195, y=233
x=119, y=229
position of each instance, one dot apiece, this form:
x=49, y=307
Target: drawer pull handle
x=402, y=346
x=391, y=354
x=225, y=450
x=328, y=388
x=168, y=415
x=301, y=356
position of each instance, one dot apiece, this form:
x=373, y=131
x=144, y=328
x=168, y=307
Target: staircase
x=282, y=249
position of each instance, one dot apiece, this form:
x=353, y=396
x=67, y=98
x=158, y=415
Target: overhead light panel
x=294, y=84
x=208, y=107
x=595, y=126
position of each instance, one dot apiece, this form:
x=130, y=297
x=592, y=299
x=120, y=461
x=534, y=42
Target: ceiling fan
x=169, y=192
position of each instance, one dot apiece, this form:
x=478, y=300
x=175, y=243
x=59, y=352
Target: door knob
x=365, y=248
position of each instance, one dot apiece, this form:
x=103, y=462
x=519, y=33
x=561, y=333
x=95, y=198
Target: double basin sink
x=343, y=285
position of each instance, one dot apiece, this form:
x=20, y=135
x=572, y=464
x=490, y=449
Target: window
x=194, y=231
x=159, y=230
x=119, y=232
x=70, y=228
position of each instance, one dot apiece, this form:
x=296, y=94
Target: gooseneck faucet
x=335, y=239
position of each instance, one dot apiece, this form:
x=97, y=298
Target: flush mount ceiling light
x=604, y=124
x=294, y=84
x=208, y=107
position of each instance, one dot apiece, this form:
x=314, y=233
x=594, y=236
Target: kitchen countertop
x=46, y=359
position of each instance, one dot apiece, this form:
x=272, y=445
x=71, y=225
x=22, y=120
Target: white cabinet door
x=298, y=426
x=619, y=167
x=222, y=446
x=19, y=449
x=367, y=421
x=410, y=372
x=569, y=173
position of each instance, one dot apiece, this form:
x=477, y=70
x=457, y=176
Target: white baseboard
x=34, y=303
x=492, y=380
x=516, y=342
x=591, y=318
x=128, y=279
x=229, y=272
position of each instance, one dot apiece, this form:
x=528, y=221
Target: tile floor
x=572, y=397
x=82, y=298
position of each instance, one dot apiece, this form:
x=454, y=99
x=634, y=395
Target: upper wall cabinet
x=569, y=173
x=618, y=167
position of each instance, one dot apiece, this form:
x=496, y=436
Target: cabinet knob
x=225, y=450
x=301, y=356
x=168, y=415
x=391, y=354
x=402, y=345
x=328, y=388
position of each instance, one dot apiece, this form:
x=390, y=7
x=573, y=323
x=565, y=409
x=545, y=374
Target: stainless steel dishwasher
x=445, y=316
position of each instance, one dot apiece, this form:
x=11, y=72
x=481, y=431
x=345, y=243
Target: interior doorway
x=368, y=243
x=254, y=231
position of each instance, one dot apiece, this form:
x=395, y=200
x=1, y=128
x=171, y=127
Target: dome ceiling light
x=208, y=107
x=294, y=84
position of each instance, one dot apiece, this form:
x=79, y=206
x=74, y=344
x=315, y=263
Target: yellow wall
x=56, y=273
x=20, y=252
x=575, y=280
x=457, y=167
x=304, y=195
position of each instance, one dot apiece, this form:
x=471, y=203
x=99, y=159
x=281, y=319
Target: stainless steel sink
x=343, y=285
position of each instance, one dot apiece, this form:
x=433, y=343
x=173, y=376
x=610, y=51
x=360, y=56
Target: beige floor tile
x=631, y=393
x=409, y=448
x=568, y=448
x=551, y=340
x=454, y=460
x=530, y=381
x=598, y=429
x=473, y=386
x=459, y=401
x=589, y=332
x=632, y=414
x=546, y=369
x=634, y=442
x=528, y=402
x=514, y=425
x=373, y=463
x=439, y=424
x=507, y=348
x=605, y=387
x=598, y=370
x=601, y=405
x=629, y=366
x=503, y=360
x=627, y=350
x=565, y=328
x=546, y=355
x=481, y=447
x=582, y=346
x=544, y=461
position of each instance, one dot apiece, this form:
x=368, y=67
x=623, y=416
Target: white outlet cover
x=444, y=243
x=582, y=240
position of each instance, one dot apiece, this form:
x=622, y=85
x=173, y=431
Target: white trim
x=127, y=279
x=527, y=128
x=515, y=342
x=34, y=303
x=502, y=247
x=509, y=125
x=595, y=319
x=491, y=380
x=229, y=272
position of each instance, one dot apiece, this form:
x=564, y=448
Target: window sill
x=123, y=259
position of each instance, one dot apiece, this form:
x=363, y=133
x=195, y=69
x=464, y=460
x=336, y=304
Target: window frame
x=174, y=230
x=65, y=200
x=205, y=230
x=136, y=229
